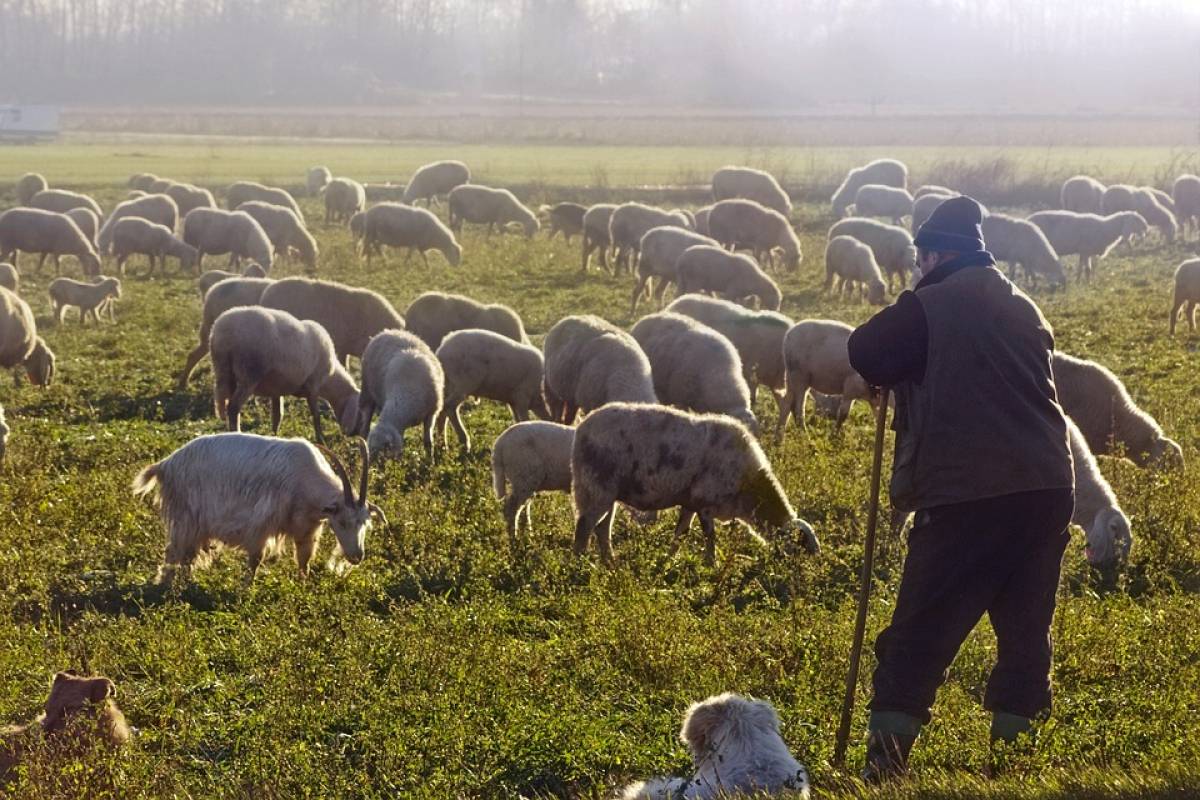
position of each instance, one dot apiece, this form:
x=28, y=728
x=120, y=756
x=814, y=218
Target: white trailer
x=28, y=123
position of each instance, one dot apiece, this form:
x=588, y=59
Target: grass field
x=449, y=664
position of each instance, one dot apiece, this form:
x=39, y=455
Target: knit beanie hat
x=954, y=226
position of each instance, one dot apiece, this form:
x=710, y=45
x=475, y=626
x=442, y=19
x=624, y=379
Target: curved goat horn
x=365, y=453
x=340, y=469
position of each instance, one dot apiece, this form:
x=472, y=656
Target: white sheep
x=595, y=233
x=817, y=358
x=215, y=232
x=932, y=188
x=269, y=353
x=590, y=362
x=1186, y=194
x=47, y=233
x=733, y=276
x=188, y=197
x=1187, y=292
x=285, y=231
x=1090, y=236
x=20, y=344
x=747, y=224
x=923, y=207
x=1097, y=510
x=316, y=179
x=438, y=178
x=1101, y=406
x=224, y=295
x=1157, y=216
x=244, y=191
x=434, y=315
x=660, y=250
x=565, y=218
x=627, y=225
x=344, y=198
x=402, y=379
x=357, y=225
x=141, y=181
x=891, y=244
x=214, y=276
x=61, y=201
x=701, y=218
x=1082, y=194
x=134, y=235
x=750, y=184
x=876, y=200
x=351, y=315
x=87, y=221
x=479, y=363
x=1164, y=199
x=9, y=277
x=527, y=458
x=652, y=458
x=484, y=205
x=89, y=298
x=883, y=171
x=29, y=185
x=1022, y=244
x=416, y=229
x=158, y=208
x=250, y=492
x=852, y=263
x=694, y=367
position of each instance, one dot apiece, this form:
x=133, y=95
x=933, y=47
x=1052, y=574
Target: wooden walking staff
x=864, y=588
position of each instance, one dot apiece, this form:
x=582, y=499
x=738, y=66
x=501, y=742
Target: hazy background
x=1003, y=55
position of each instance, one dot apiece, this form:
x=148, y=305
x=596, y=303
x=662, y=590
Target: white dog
x=736, y=747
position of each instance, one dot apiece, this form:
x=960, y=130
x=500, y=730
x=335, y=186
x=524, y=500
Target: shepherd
x=983, y=460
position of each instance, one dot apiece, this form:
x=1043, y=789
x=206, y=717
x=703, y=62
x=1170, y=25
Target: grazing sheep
x=733, y=276
x=1164, y=199
x=853, y=264
x=224, y=295
x=595, y=233
x=891, y=244
x=284, y=230
x=19, y=342
x=701, y=219
x=244, y=191
x=250, y=492
x=416, y=229
x=47, y=233
x=1157, y=216
x=1022, y=244
x=816, y=357
x=62, y=201
x=402, y=379
x=89, y=298
x=483, y=205
x=160, y=185
x=214, y=276
x=530, y=457
x=1082, y=194
x=1187, y=291
x=29, y=185
x=1101, y=406
x=141, y=181
x=1090, y=236
x=350, y=315
x=1186, y=194
x=432, y=180
x=590, y=362
x=627, y=225
x=923, y=206
x=188, y=197
x=883, y=172
x=736, y=749
x=343, y=199
x=745, y=223
x=750, y=184
x=694, y=367
x=652, y=457
x=875, y=200
x=435, y=315
x=564, y=217
x=660, y=250
x=1097, y=511
x=215, y=232
x=9, y=277
x=316, y=179
x=157, y=208
x=756, y=335
x=932, y=188
x=482, y=363
x=134, y=194
x=87, y=221
x=137, y=236
x=270, y=353
x=358, y=228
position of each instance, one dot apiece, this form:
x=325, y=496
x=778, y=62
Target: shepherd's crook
x=864, y=588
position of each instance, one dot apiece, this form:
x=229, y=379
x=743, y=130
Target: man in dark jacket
x=982, y=458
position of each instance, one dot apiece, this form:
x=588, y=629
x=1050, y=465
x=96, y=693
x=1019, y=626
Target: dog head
x=725, y=719
x=70, y=694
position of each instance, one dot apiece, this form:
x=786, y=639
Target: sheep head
x=1109, y=539
x=40, y=364
x=70, y=694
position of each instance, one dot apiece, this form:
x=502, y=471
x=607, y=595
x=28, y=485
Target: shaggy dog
x=736, y=747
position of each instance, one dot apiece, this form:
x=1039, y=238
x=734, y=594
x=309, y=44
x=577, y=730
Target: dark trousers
x=999, y=556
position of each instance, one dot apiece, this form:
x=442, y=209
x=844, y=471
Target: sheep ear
x=700, y=725
x=65, y=675
x=101, y=689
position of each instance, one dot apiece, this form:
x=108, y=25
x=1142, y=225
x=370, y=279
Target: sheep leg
x=843, y=412
x=585, y=523
x=587, y=251
x=233, y=408
x=305, y=548
x=193, y=358
x=710, y=539
x=456, y=423
x=637, y=292
x=427, y=437
x=276, y=414
x=1191, y=316
x=520, y=411
x=570, y=411
x=1175, y=314
x=681, y=529
x=314, y=408
x=604, y=536
x=59, y=311
x=121, y=264
x=512, y=515
x=112, y=311
x=41, y=261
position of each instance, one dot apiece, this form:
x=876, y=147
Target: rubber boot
x=1010, y=736
x=890, y=738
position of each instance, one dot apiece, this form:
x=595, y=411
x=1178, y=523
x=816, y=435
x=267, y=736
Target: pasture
x=453, y=664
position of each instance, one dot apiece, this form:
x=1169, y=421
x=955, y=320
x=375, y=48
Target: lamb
x=434, y=315
x=48, y=234
x=875, y=200
x=744, y=223
x=884, y=172
x=590, y=362
x=484, y=205
x=135, y=235
x=530, y=457
x=19, y=342
x=701, y=220
x=214, y=276
x=244, y=191
x=29, y=185
x=9, y=277
x=756, y=335
x=403, y=380
x=733, y=276
x=141, y=181
x=417, y=229
x=158, y=208
x=1156, y=215
x=188, y=197
x=923, y=206
x=853, y=264
x=566, y=218
x=595, y=233
x=343, y=199
x=432, y=180
x=215, y=232
x=932, y=188
x=224, y=295
x=485, y=364
x=251, y=492
x=1100, y=405
x=652, y=457
x=87, y=221
x=1187, y=292
x=816, y=357
x=1088, y=235
x=284, y=230
x=750, y=184
x=1186, y=194
x=62, y=201
x=350, y=315
x=627, y=225
x=660, y=250
x=316, y=179
x=270, y=353
x=89, y=298
x=1082, y=194
x=1021, y=243
x=694, y=367
x=1096, y=508
x=892, y=245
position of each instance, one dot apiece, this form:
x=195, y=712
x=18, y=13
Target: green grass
x=449, y=664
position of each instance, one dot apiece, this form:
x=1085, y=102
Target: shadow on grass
x=103, y=594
